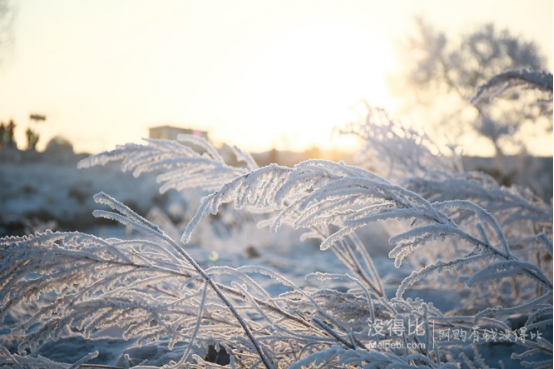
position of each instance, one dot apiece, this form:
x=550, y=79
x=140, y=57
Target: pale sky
x=253, y=73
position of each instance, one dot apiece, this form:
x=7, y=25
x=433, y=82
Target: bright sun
x=298, y=89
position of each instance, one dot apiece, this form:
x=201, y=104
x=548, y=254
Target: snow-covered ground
x=50, y=190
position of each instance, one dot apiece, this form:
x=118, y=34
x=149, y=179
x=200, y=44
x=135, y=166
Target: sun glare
x=299, y=88
x=292, y=93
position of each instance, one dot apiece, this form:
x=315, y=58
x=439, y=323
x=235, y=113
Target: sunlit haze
x=258, y=74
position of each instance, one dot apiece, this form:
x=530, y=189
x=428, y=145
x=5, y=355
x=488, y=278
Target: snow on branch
x=518, y=78
x=152, y=289
x=186, y=163
x=319, y=192
x=396, y=151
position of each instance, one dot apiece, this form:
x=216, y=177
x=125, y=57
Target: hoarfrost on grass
x=458, y=231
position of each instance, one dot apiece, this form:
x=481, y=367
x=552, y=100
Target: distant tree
x=441, y=75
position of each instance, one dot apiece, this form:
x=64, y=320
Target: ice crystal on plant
x=459, y=231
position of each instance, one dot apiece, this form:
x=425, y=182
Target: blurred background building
x=170, y=132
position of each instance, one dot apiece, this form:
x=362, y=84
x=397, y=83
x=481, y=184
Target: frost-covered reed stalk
x=111, y=278
x=460, y=231
x=412, y=160
x=518, y=78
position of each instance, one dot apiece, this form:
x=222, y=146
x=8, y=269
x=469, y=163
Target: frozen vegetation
x=469, y=283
